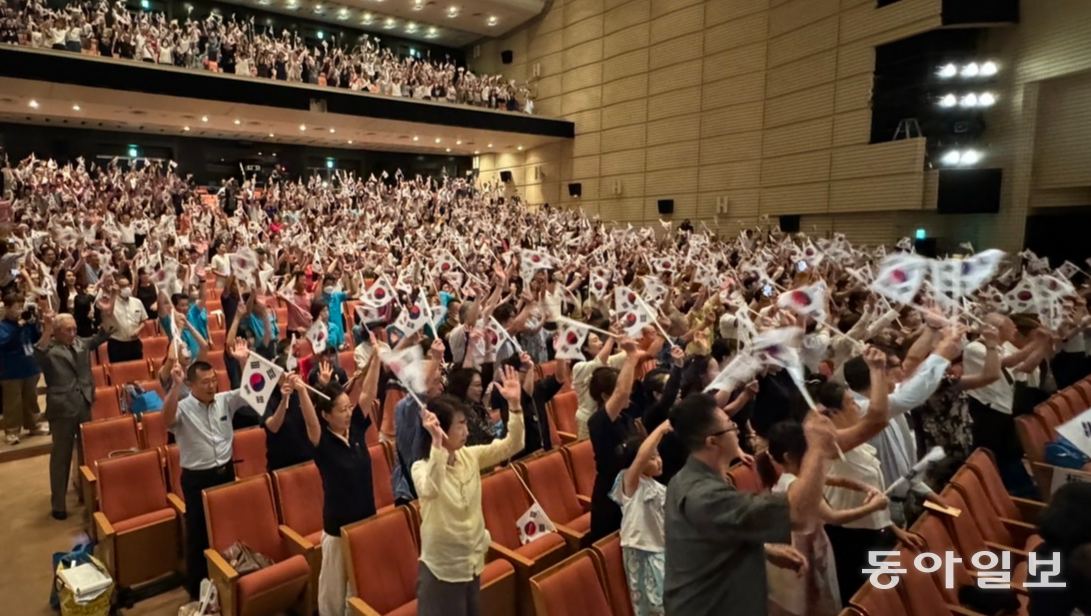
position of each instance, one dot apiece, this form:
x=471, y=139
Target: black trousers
x=995, y=431
x=850, y=553
x=193, y=483
x=119, y=351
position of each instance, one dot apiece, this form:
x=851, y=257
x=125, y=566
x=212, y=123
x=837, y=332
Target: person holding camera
x=18, y=371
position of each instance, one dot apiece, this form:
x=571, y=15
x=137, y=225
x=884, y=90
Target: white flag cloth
x=259, y=380
x=534, y=524
x=1078, y=431
x=780, y=347
x=9, y=266
x=900, y=277
x=408, y=366
x=947, y=283
x=979, y=269
x=530, y=261
x=808, y=301
x=495, y=335
x=1023, y=298
x=165, y=277
x=739, y=371
x=243, y=264
x=319, y=335
x=1054, y=287
x=664, y=265
x=570, y=337
x=631, y=312
x=600, y=282
x=379, y=294
x=812, y=255
x=1068, y=269
x=654, y=290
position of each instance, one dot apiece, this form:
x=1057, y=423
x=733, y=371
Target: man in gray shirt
x=716, y=536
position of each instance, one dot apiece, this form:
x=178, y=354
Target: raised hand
x=431, y=424
x=876, y=359
x=629, y=345
x=325, y=373
x=678, y=356
x=177, y=374
x=241, y=352
x=510, y=387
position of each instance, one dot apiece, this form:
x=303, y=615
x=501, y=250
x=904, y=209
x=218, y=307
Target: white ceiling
x=452, y=23
x=100, y=109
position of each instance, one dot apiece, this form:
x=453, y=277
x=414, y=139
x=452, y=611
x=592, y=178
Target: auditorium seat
x=347, y=360
x=608, y=552
x=546, y=369
x=244, y=511
x=1083, y=387
x=217, y=361
x=393, y=396
x=299, y=499
x=107, y=404
x=1033, y=436
x=575, y=586
x=381, y=473
x=982, y=463
x=872, y=601
x=580, y=456
x=138, y=531
x=249, y=452
x=173, y=462
x=103, y=439
x=503, y=502
x=970, y=540
x=993, y=527
x=153, y=432
x=156, y=348
x=149, y=329
x=562, y=412
x=126, y=372
x=745, y=479
x=1072, y=404
x=548, y=478
x=919, y=592
x=216, y=339
x=938, y=540
x=98, y=374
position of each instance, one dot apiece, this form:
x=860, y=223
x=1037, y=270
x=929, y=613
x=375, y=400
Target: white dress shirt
x=863, y=465
x=998, y=394
x=581, y=382
x=129, y=314
x=204, y=432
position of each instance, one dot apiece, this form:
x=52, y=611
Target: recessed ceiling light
x=302, y=127
x=33, y=104
x=274, y=154
x=448, y=149
x=418, y=5
x=411, y=28
x=438, y=140
x=185, y=129
x=271, y=135
x=237, y=121
x=459, y=142
x=292, y=5
x=332, y=130
x=489, y=146
x=520, y=148
x=416, y=138
x=390, y=23
x=367, y=19
x=476, y=152
x=204, y=118
x=259, y=154
x=343, y=14
x=493, y=20
x=318, y=8
x=433, y=32
x=350, y=141
x=75, y=107
x=452, y=11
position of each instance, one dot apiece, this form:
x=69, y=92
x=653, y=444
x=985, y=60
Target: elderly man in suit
x=65, y=360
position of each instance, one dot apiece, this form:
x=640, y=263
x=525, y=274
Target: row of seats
x=1038, y=429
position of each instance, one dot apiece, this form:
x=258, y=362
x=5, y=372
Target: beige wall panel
x=720, y=11
x=800, y=106
x=581, y=32
x=739, y=203
x=625, y=114
x=632, y=185
x=797, y=138
x=623, y=163
x=910, y=29
x=517, y=43
x=625, y=89
x=623, y=41
x=518, y=174
x=816, y=224
x=550, y=108
x=673, y=130
x=626, y=208
x=578, y=10
x=627, y=15
x=742, y=89
x=581, y=100
x=583, y=77
x=1062, y=197
x=552, y=65
x=733, y=62
x=580, y=55
x=890, y=192
x=662, y=7
x=672, y=156
x=735, y=119
x=854, y=93
x=796, y=169
x=852, y=128
x=486, y=162
x=798, y=13
x=667, y=184
x=681, y=49
x=685, y=75
x=796, y=199
x=545, y=44
x=731, y=148
x=590, y=143
x=684, y=21
x=801, y=74
x=545, y=154
x=855, y=59
x=1063, y=139
x=729, y=35
x=585, y=167
x=553, y=20
x=866, y=20
x=625, y=65
x=624, y=138
x=674, y=103
x=613, y=4
x=891, y=158
x=806, y=41
x=729, y=176
x=586, y=121
x=549, y=87
x=518, y=72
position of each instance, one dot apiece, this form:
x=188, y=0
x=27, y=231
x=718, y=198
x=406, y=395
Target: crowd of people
x=238, y=48
x=688, y=352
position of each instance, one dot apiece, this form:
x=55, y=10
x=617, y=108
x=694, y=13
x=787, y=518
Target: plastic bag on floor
x=207, y=606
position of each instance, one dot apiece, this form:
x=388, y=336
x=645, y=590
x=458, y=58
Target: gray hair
x=63, y=319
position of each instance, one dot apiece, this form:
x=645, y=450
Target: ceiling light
x=145, y=4
x=416, y=138
x=971, y=70
x=292, y=5
x=520, y=148
x=318, y=8
x=459, y=142
x=438, y=140
x=390, y=23
x=321, y=35
x=237, y=121
x=75, y=107
x=33, y=104
x=411, y=28
x=448, y=150
x=185, y=129
x=452, y=11
x=947, y=71
x=418, y=5
x=350, y=141
x=970, y=100
x=493, y=20
x=433, y=32
x=970, y=157
x=988, y=99
x=367, y=19
x=204, y=118
x=476, y=152
x=951, y=158
x=949, y=100
x=259, y=154
x=274, y=154
x=989, y=69
x=263, y=2
x=343, y=14
x=271, y=135
x=332, y=130
x=302, y=127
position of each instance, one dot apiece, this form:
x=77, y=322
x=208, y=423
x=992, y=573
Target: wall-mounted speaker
x=575, y=190
x=666, y=206
x=505, y=176
x=969, y=191
x=789, y=223
x=507, y=56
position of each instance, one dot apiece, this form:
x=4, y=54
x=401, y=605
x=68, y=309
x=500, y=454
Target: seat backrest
x=155, y=431
x=919, y=590
x=608, y=550
x=300, y=497
x=564, y=406
x=1033, y=436
x=571, y=587
x=129, y=371
x=244, y=511
x=381, y=476
x=962, y=529
x=983, y=465
x=1076, y=405
x=503, y=502
x=874, y=601
x=1083, y=388
x=156, y=348
x=745, y=479
x=98, y=375
x=551, y=484
x=581, y=463
x=108, y=436
x=347, y=359
x=969, y=486
x=935, y=535
x=174, y=469
x=249, y=452
x=390, y=586
x=130, y=486
x=107, y=404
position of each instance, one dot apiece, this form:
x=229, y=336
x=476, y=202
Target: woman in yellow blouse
x=448, y=480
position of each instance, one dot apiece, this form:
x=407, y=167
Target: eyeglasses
x=731, y=428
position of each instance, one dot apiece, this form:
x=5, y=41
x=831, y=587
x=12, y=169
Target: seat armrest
x=520, y=562
x=103, y=528
x=567, y=437
x=1019, y=588
x=107, y=542
x=1020, y=531
x=1030, y=509
x=294, y=542
x=1016, y=553
x=225, y=579
x=87, y=475
x=178, y=504
x=585, y=502
x=573, y=538
x=357, y=607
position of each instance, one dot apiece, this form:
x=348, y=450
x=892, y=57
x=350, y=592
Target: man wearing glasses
x=716, y=535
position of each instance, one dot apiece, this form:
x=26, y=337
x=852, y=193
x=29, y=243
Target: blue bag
x=79, y=555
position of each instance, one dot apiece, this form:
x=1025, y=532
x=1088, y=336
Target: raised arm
x=878, y=412
x=170, y=405
x=274, y=422
x=805, y=493
x=624, y=386
x=497, y=451
x=310, y=416
x=991, y=372
x=647, y=450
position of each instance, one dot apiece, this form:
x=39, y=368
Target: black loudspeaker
x=507, y=56
x=666, y=206
x=969, y=191
x=926, y=247
x=789, y=223
x=575, y=190
x=505, y=176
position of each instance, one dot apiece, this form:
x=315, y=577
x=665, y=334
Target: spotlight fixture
x=987, y=99
x=951, y=158
x=489, y=146
x=293, y=5
x=411, y=28
x=350, y=141
x=33, y=104
x=390, y=23
x=237, y=121
x=416, y=138
x=418, y=5
x=271, y=135
x=204, y=118
x=963, y=158
x=302, y=127
x=433, y=32
x=970, y=100
x=318, y=8
x=493, y=20
x=452, y=11
x=438, y=140
x=520, y=148
x=185, y=129
x=343, y=14
x=459, y=142
x=448, y=150
x=75, y=107
x=989, y=69
x=948, y=100
x=321, y=35
x=947, y=71
x=970, y=157
x=971, y=70
x=477, y=152
x=367, y=19
x=332, y=130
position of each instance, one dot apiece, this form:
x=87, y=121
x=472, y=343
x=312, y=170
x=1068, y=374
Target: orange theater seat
x=249, y=452
x=608, y=552
x=98, y=374
x=562, y=410
x=156, y=348
x=243, y=511
x=381, y=476
x=152, y=430
x=129, y=372
x=138, y=531
x=216, y=339
x=393, y=396
x=981, y=462
x=347, y=360
x=503, y=502
x=1033, y=435
x=993, y=527
x=581, y=464
x=551, y=484
x=872, y=601
x=745, y=479
x=172, y=460
x=299, y=500
x=575, y=586
x=104, y=439
x=107, y=404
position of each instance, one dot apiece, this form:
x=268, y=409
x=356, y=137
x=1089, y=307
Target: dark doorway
x=1060, y=234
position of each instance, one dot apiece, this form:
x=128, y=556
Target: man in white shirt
x=128, y=316
x=201, y=424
